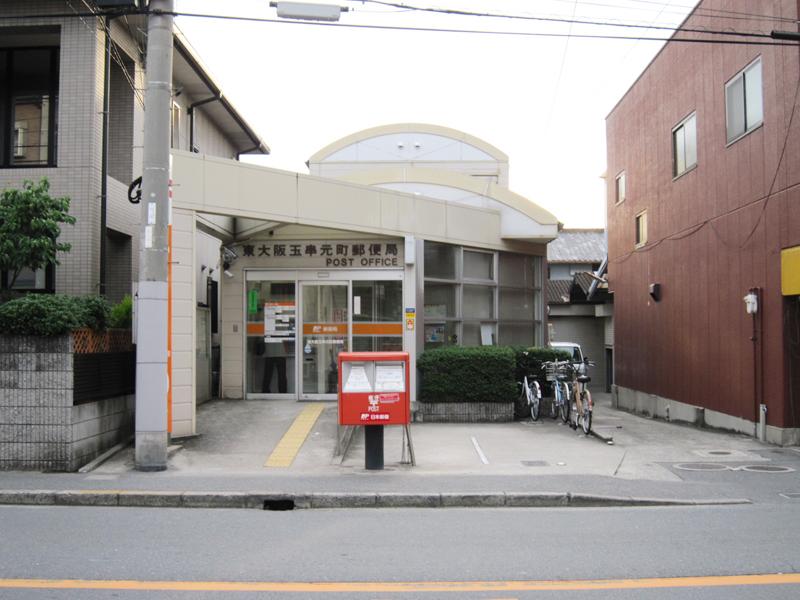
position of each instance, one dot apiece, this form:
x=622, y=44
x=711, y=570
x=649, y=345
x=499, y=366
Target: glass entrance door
x=325, y=319
x=270, y=309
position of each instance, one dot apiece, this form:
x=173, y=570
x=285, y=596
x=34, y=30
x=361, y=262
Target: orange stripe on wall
x=377, y=329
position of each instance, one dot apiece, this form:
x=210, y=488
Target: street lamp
x=307, y=11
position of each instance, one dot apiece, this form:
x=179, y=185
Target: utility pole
x=152, y=382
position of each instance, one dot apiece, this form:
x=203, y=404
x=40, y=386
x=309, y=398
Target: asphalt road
x=504, y=553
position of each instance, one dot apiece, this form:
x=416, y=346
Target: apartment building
x=704, y=226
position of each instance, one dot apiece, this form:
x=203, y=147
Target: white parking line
x=481, y=455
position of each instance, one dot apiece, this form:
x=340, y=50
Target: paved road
x=358, y=553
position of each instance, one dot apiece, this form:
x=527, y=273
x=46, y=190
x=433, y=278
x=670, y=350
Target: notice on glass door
x=279, y=319
x=389, y=378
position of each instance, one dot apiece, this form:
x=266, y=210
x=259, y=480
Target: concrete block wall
x=40, y=429
x=35, y=402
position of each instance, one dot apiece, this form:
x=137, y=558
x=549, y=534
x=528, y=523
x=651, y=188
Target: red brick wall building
x=703, y=196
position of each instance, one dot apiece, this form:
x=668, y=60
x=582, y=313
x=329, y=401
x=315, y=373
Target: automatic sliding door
x=271, y=337
x=325, y=334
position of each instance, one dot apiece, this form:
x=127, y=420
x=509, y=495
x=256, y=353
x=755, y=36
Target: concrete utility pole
x=151, y=333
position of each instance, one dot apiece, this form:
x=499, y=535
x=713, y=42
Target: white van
x=573, y=350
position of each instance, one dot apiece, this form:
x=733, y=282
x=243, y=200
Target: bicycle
x=583, y=398
x=556, y=373
x=531, y=395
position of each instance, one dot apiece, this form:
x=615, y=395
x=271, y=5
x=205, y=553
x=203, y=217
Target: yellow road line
x=403, y=587
x=284, y=453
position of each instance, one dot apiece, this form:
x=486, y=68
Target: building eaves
x=189, y=67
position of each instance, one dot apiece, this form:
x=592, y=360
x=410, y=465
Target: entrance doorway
x=325, y=334
x=297, y=322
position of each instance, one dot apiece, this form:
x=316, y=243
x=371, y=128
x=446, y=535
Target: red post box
x=374, y=388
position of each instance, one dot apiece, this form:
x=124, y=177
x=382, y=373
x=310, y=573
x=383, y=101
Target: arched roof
x=372, y=132
x=452, y=179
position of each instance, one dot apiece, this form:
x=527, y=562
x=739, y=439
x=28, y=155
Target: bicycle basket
x=550, y=372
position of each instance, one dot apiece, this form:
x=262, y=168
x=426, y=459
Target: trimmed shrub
x=96, y=312
x=122, y=314
x=52, y=314
x=456, y=374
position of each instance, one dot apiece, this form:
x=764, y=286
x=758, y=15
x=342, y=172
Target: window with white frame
x=684, y=146
x=620, y=188
x=477, y=297
x=641, y=229
x=744, y=102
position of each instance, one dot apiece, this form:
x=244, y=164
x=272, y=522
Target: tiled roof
x=558, y=291
x=584, y=281
x=578, y=246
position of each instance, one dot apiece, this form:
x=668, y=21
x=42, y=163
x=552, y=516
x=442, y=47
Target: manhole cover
x=701, y=467
x=767, y=469
x=535, y=463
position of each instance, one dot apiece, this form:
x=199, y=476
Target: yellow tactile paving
x=284, y=453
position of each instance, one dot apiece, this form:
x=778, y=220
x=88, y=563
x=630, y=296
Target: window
x=29, y=83
x=620, y=188
x=744, y=106
x=641, y=229
x=479, y=298
x=175, y=126
x=29, y=280
x=684, y=146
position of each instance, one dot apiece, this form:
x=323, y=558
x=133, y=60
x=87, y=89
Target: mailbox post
x=373, y=392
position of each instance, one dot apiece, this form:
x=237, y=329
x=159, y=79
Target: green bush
x=122, y=314
x=456, y=374
x=52, y=314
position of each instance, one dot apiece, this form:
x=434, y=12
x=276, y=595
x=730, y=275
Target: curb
x=267, y=501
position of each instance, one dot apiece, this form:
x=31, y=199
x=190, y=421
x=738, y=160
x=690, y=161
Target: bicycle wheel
x=553, y=406
x=533, y=402
x=563, y=408
x=586, y=421
x=587, y=412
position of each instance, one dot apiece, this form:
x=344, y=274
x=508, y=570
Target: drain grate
x=701, y=467
x=767, y=469
x=535, y=463
x=282, y=504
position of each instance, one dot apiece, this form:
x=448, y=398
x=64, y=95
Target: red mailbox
x=374, y=388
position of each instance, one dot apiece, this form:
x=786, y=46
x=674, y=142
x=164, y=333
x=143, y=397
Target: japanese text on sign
x=327, y=254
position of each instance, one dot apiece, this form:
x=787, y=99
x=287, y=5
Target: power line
x=442, y=30
x=489, y=32
x=571, y=21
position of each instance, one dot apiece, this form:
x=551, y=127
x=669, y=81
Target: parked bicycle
x=557, y=373
x=583, y=405
x=531, y=396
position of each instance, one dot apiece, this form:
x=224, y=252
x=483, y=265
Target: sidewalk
x=509, y=464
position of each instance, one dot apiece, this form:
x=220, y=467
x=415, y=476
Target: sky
x=541, y=100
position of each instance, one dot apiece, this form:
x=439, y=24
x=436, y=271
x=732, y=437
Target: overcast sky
x=541, y=100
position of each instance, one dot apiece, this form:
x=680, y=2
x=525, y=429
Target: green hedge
x=53, y=314
x=529, y=360
x=456, y=374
